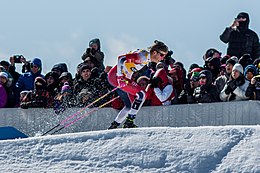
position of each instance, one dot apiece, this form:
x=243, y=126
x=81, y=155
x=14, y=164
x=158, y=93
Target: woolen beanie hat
x=5, y=63
x=95, y=41
x=83, y=67
x=195, y=76
x=66, y=88
x=234, y=58
x=4, y=74
x=40, y=81
x=250, y=68
x=37, y=61
x=238, y=67
x=231, y=61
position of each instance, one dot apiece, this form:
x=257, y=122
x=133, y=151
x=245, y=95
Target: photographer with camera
x=18, y=59
x=253, y=90
x=94, y=50
x=26, y=80
x=235, y=88
x=241, y=40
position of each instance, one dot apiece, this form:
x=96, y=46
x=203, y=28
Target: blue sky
x=59, y=31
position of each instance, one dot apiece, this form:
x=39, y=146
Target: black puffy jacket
x=207, y=93
x=241, y=41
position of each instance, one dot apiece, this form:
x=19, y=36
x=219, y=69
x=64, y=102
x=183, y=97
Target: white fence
x=36, y=121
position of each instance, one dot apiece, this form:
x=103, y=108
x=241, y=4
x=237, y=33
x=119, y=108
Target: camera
x=257, y=78
x=17, y=58
x=91, y=51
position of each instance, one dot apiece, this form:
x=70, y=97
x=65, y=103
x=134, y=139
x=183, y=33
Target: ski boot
x=114, y=125
x=129, y=122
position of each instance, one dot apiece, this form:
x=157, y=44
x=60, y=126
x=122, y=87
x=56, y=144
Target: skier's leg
x=124, y=112
x=138, y=102
x=136, y=106
x=132, y=88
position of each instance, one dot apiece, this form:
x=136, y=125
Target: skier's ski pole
x=45, y=133
x=88, y=105
x=86, y=114
x=78, y=112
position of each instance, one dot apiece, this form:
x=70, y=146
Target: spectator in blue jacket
x=26, y=80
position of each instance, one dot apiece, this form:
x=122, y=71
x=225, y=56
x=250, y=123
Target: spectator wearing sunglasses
x=241, y=40
x=186, y=95
x=206, y=92
x=26, y=80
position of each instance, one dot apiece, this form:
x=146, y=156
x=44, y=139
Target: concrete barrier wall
x=35, y=121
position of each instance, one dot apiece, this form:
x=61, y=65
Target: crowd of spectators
x=233, y=77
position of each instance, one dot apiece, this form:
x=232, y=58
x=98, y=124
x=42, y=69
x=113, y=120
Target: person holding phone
x=241, y=40
x=26, y=80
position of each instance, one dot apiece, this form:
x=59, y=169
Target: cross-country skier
x=121, y=76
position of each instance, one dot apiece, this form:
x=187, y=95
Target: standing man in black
x=241, y=40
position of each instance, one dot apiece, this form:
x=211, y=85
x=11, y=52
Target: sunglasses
x=161, y=54
x=195, y=79
x=65, y=78
x=34, y=66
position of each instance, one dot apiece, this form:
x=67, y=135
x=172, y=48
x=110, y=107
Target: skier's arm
x=120, y=65
x=164, y=94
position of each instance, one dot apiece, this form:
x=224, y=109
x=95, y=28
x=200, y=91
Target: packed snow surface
x=160, y=149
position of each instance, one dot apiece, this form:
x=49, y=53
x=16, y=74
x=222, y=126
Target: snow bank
x=161, y=149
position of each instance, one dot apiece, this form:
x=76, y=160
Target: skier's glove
x=122, y=81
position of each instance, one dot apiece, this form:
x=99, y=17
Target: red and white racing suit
x=121, y=76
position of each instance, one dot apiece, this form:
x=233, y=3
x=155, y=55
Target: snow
x=156, y=149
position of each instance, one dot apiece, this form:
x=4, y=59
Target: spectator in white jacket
x=235, y=88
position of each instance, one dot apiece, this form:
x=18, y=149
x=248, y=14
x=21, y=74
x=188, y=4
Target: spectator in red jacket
x=160, y=91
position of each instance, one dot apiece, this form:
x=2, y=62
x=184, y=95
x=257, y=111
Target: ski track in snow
x=158, y=149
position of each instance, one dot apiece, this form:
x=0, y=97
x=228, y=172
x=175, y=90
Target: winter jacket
x=160, y=91
x=26, y=80
x=241, y=41
x=3, y=96
x=53, y=87
x=253, y=91
x=206, y=93
x=158, y=97
x=221, y=81
x=238, y=94
x=90, y=89
x=14, y=73
x=36, y=99
x=10, y=96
